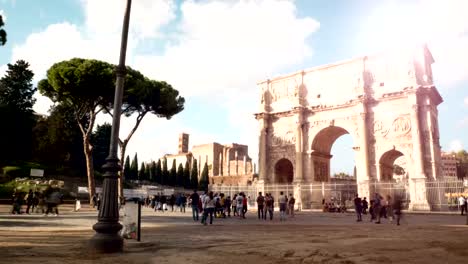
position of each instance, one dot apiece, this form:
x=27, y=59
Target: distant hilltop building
x=228, y=164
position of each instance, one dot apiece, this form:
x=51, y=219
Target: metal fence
x=441, y=195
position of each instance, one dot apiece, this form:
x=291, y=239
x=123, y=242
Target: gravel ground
x=170, y=237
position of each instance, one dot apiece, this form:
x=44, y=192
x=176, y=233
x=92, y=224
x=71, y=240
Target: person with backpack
x=208, y=208
x=260, y=205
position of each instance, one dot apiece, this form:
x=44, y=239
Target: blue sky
x=215, y=52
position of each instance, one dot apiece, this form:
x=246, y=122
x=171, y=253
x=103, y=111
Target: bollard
x=139, y=221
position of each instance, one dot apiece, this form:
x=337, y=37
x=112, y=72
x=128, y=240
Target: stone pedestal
x=298, y=196
x=418, y=196
x=364, y=189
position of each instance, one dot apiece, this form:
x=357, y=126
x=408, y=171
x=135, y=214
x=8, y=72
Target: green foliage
x=15, y=172
x=180, y=175
x=398, y=170
x=58, y=142
x=134, y=168
x=16, y=114
x=194, y=175
x=127, y=169
x=204, y=181
x=6, y=191
x=186, y=176
x=165, y=172
x=100, y=140
x=173, y=173
x=3, y=34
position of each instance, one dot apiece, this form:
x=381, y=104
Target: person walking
x=365, y=205
x=291, y=202
x=377, y=207
x=29, y=200
x=260, y=205
x=397, y=205
x=358, y=208
x=282, y=205
x=461, y=203
x=194, y=198
x=239, y=202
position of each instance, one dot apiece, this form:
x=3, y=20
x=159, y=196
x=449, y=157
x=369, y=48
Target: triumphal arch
x=386, y=102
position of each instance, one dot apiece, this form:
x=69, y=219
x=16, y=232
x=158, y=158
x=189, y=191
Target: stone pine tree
x=3, y=34
x=186, y=177
x=173, y=173
x=204, y=178
x=141, y=173
x=180, y=176
x=194, y=175
x=165, y=172
x=134, y=168
x=158, y=173
x=127, y=170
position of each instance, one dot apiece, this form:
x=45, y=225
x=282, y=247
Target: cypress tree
x=203, y=186
x=126, y=173
x=173, y=173
x=186, y=177
x=180, y=176
x=152, y=172
x=141, y=173
x=158, y=173
x=194, y=175
x=165, y=173
x=134, y=168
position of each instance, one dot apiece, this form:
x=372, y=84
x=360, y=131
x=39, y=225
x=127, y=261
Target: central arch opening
x=339, y=174
x=343, y=165
x=387, y=165
x=284, y=172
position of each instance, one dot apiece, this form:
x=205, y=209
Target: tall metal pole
x=107, y=239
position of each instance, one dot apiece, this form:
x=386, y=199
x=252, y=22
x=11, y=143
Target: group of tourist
x=218, y=205
x=162, y=202
x=380, y=207
x=37, y=202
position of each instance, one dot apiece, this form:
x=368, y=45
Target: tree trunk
x=123, y=148
x=88, y=151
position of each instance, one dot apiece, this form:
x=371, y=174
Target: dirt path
x=310, y=238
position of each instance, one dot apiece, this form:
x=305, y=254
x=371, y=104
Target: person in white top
x=462, y=204
x=208, y=208
x=239, y=203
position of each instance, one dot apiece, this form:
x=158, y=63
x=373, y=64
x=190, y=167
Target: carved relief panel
x=399, y=126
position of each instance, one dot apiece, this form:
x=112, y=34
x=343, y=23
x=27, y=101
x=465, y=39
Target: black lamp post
x=107, y=239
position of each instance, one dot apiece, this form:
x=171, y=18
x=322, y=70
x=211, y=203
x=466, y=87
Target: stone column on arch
x=298, y=176
x=363, y=177
x=262, y=153
x=299, y=173
x=417, y=179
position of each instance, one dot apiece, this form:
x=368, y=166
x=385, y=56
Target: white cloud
x=441, y=24
x=146, y=16
x=249, y=41
x=456, y=145
x=219, y=51
x=222, y=61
